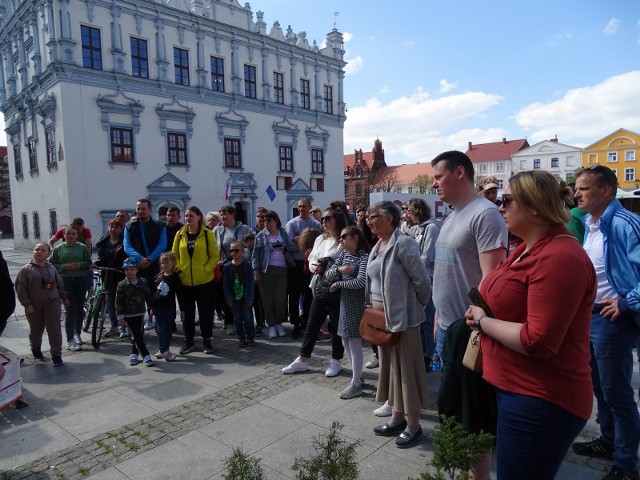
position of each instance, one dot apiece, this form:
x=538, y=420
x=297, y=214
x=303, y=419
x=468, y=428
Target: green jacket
x=64, y=254
x=131, y=298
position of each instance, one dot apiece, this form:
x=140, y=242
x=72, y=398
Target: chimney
x=554, y=140
x=504, y=140
x=469, y=145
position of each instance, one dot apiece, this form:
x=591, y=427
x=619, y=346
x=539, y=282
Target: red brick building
x=361, y=169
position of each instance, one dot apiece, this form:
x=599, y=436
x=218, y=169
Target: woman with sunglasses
x=270, y=261
x=326, y=249
x=541, y=298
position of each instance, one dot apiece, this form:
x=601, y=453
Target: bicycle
x=98, y=310
x=88, y=302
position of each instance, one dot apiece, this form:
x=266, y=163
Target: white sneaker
x=73, y=346
x=169, y=356
x=149, y=325
x=296, y=366
x=272, y=332
x=159, y=354
x=373, y=362
x=383, y=410
x=77, y=339
x=281, y=331
x=333, y=369
x=147, y=361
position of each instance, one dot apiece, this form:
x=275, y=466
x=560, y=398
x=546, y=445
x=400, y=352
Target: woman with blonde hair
x=541, y=298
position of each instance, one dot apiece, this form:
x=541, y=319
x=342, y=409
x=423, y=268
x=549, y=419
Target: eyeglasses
x=234, y=250
x=345, y=236
x=371, y=218
x=506, y=200
x=326, y=219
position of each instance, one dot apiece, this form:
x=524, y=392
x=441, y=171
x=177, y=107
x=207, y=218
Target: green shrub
x=242, y=466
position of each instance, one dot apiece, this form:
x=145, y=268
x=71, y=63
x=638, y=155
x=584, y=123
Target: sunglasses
x=506, y=200
x=326, y=219
x=234, y=250
x=345, y=236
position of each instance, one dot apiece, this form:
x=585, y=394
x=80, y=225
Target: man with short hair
x=472, y=241
x=297, y=281
x=145, y=240
x=123, y=216
x=173, y=226
x=260, y=223
x=316, y=212
x=612, y=241
x=488, y=188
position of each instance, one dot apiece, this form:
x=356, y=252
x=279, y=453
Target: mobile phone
x=478, y=301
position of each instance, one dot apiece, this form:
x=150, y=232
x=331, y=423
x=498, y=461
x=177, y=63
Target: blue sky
x=427, y=76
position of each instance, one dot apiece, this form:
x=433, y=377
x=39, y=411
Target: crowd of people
x=558, y=322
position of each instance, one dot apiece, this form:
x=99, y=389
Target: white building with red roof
x=495, y=158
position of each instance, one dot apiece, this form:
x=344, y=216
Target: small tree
x=423, y=183
x=242, y=466
x=384, y=181
x=335, y=458
x=456, y=451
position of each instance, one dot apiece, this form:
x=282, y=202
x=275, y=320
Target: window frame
x=50, y=140
x=317, y=184
x=53, y=222
x=305, y=94
x=630, y=158
x=25, y=224
x=328, y=99
x=93, y=61
x=612, y=157
x=121, y=144
x=499, y=166
x=285, y=158
x=555, y=162
x=315, y=161
x=139, y=61
x=32, y=147
x=232, y=158
x=536, y=164
x=177, y=150
x=629, y=174
x=278, y=88
x=180, y=69
x=35, y=219
x=283, y=182
x=217, y=73
x=17, y=159
x=250, y=81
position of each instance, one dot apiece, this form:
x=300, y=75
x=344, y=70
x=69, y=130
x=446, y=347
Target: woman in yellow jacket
x=197, y=252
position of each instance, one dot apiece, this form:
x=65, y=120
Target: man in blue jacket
x=612, y=241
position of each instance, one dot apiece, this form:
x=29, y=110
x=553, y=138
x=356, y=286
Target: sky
x=425, y=76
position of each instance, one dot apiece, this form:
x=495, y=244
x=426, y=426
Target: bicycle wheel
x=99, y=317
x=87, y=308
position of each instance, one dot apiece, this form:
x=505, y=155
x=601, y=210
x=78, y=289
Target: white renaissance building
x=550, y=155
x=178, y=101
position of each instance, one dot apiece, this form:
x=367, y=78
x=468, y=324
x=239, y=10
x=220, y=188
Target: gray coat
x=406, y=288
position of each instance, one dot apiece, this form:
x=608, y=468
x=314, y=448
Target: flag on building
x=227, y=193
x=271, y=193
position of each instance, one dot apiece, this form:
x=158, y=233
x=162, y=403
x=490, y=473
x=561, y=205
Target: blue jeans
x=76, y=289
x=440, y=333
x=243, y=318
x=533, y=436
x=164, y=326
x=612, y=346
x=426, y=330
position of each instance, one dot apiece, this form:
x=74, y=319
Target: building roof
x=406, y=173
x=487, y=152
x=350, y=159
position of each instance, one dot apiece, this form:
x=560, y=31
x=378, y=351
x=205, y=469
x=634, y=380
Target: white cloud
x=418, y=127
x=446, y=86
x=611, y=28
x=585, y=114
x=346, y=37
x=406, y=43
x=384, y=89
x=354, y=64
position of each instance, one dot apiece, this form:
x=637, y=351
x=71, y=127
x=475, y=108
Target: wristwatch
x=478, y=325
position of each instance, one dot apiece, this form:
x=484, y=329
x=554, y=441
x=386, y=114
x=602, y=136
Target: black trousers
x=317, y=316
x=135, y=327
x=199, y=295
x=297, y=283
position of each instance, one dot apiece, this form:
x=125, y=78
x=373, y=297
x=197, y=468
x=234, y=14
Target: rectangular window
x=317, y=184
x=139, y=58
x=593, y=158
x=500, y=167
x=181, y=65
x=232, y=158
x=317, y=161
x=536, y=163
x=278, y=87
x=358, y=189
x=177, y=148
x=36, y=224
x=286, y=158
x=283, y=183
x=217, y=74
x=630, y=156
x=250, y=81
x=629, y=174
x=53, y=222
x=33, y=155
x=305, y=94
x=346, y=190
x=612, y=157
x=615, y=171
x=50, y=135
x=500, y=184
x=122, y=145
x=25, y=225
x=17, y=159
x=328, y=99
x=91, y=49
x=482, y=168
x=555, y=162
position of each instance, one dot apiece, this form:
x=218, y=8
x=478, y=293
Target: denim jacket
x=621, y=232
x=262, y=247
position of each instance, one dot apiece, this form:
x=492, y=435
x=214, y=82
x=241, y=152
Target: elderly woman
x=541, y=297
x=399, y=286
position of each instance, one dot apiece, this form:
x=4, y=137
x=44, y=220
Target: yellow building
x=620, y=151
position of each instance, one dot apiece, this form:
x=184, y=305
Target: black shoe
x=37, y=354
x=251, y=342
x=206, y=346
x=20, y=404
x=57, y=360
x=595, y=448
x=242, y=344
x=406, y=440
x=297, y=333
x=188, y=348
x=387, y=431
x=618, y=474
x=258, y=331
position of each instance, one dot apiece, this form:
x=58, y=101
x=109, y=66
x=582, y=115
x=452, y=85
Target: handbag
x=473, y=354
x=373, y=328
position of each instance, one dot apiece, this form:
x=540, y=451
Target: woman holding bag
x=399, y=286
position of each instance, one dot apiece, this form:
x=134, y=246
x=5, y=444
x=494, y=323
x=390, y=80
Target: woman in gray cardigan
x=399, y=285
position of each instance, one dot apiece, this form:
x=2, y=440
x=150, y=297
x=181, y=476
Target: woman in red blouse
x=536, y=349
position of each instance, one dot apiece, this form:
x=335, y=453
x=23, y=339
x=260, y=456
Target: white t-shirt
x=594, y=246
